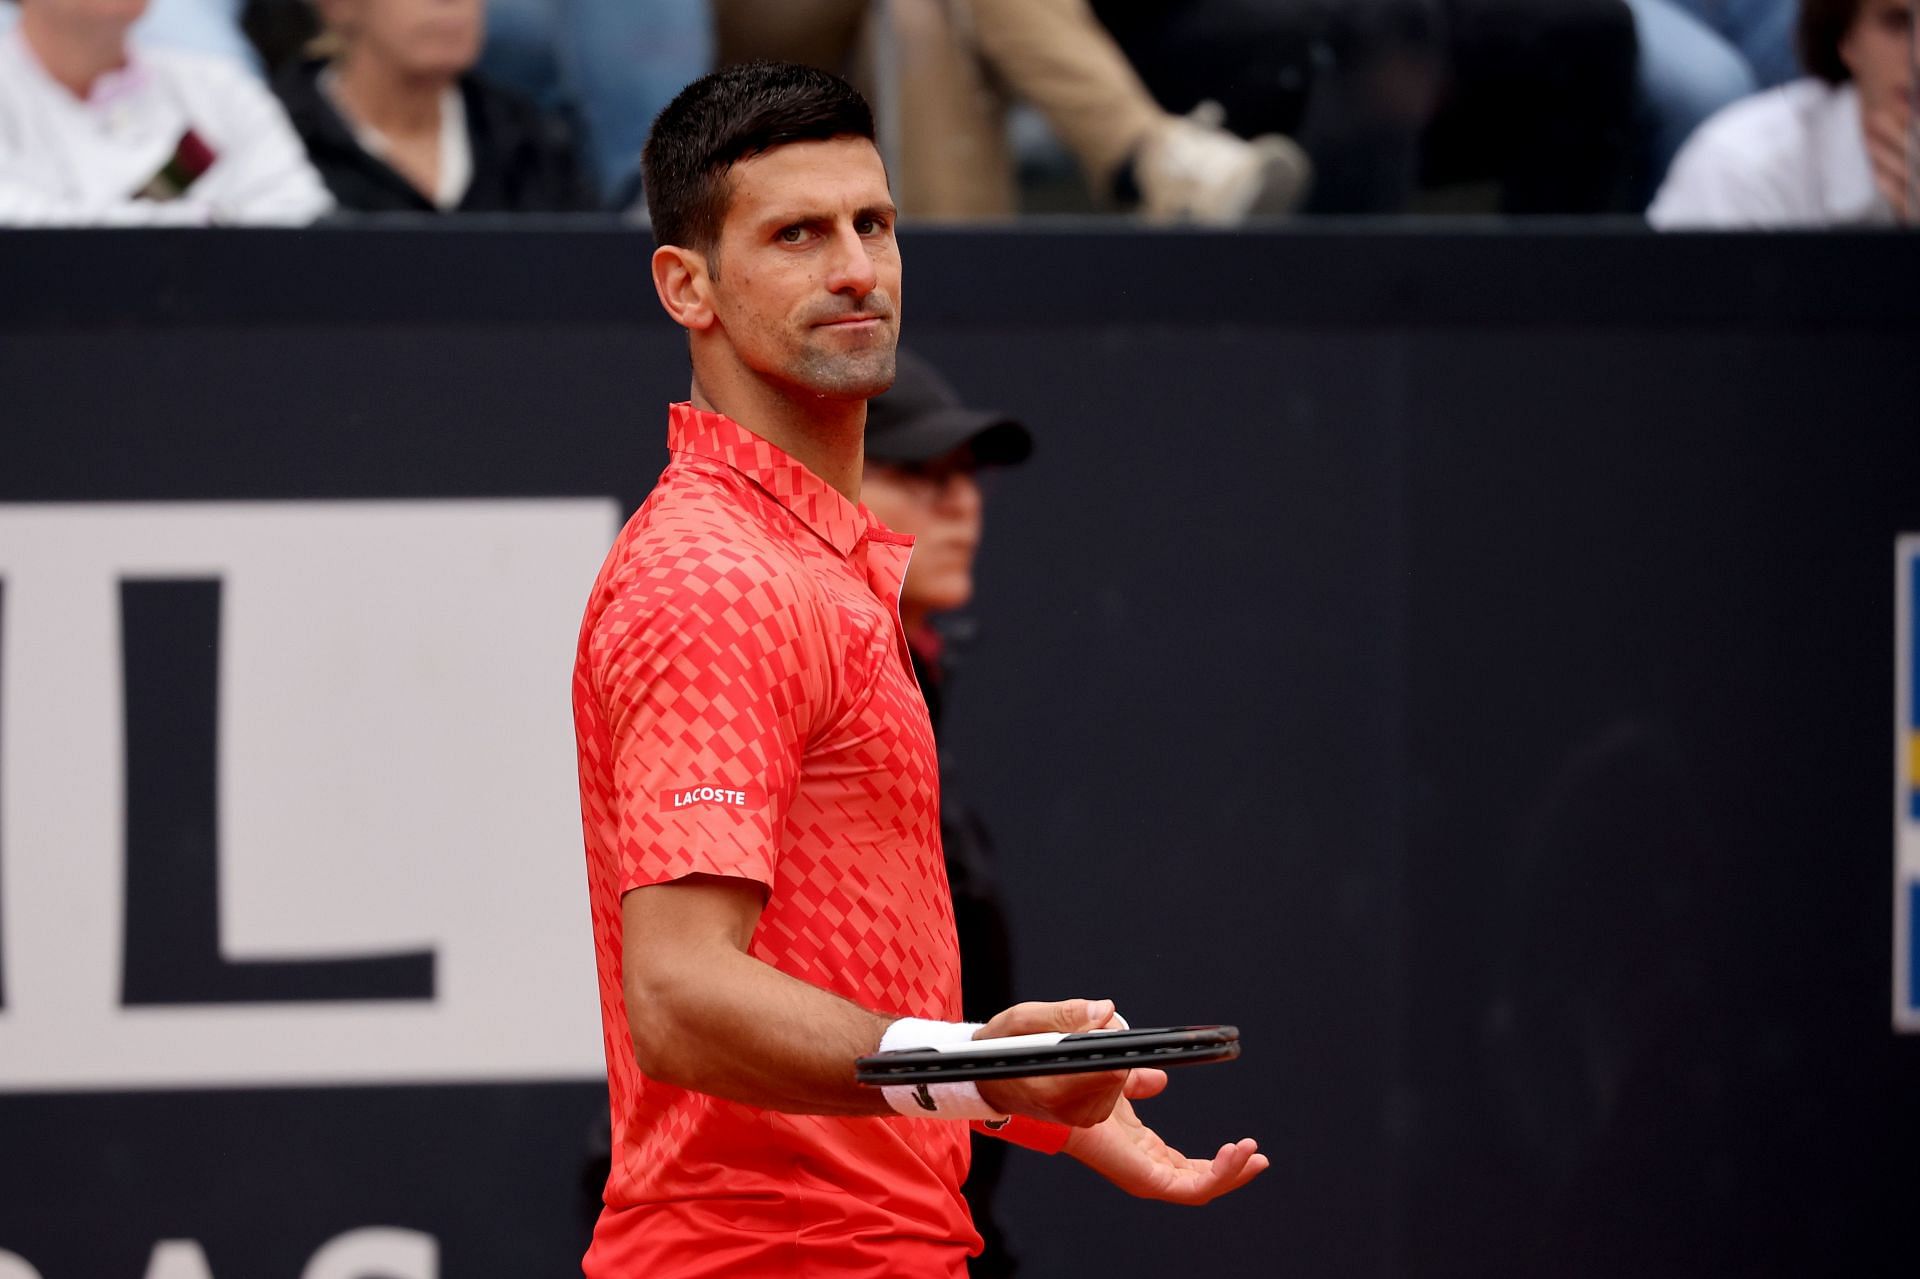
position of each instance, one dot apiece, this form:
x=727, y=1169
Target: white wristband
x=934, y=1101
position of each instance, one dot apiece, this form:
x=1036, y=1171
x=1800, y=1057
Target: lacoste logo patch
x=722, y=796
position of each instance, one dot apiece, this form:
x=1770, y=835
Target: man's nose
x=850, y=266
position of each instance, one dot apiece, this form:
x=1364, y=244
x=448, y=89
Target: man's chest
x=861, y=904
x=870, y=771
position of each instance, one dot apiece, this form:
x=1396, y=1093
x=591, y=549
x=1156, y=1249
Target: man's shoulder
x=703, y=505
x=706, y=538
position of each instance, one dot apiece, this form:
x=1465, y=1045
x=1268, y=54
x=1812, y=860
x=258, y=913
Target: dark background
x=1460, y=658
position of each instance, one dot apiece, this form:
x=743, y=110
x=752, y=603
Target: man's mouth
x=882, y=311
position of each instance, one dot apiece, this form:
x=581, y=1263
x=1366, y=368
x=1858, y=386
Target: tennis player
x=758, y=781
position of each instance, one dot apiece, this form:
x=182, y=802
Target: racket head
x=1074, y=1054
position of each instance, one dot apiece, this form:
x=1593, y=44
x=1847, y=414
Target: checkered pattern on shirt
x=743, y=635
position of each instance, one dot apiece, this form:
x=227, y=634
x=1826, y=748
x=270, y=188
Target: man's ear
x=686, y=290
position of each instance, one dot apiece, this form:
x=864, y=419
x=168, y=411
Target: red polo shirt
x=745, y=706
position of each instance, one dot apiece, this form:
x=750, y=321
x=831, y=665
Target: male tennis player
x=758, y=781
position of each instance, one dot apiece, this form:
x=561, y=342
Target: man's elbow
x=659, y=1031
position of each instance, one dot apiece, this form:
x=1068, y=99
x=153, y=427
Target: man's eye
x=793, y=234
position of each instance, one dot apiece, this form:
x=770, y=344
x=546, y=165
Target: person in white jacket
x=1828, y=150
x=98, y=131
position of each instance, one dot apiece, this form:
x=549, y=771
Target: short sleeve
x=709, y=677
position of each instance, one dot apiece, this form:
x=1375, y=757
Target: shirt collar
x=821, y=507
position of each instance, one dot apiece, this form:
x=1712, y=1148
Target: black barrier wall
x=1461, y=660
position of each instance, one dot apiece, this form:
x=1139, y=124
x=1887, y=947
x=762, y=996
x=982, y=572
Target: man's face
x=939, y=504
x=1878, y=49
x=806, y=277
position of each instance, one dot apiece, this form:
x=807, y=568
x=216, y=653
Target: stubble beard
x=849, y=374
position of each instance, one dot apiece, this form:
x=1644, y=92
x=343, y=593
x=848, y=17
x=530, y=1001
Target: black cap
x=921, y=418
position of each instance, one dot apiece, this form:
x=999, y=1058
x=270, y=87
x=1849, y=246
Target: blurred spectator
x=395, y=120
x=1828, y=150
x=924, y=453
x=1355, y=81
x=198, y=26
x=611, y=64
x=95, y=130
x=1529, y=100
x=1175, y=161
x=1528, y=104
x=945, y=64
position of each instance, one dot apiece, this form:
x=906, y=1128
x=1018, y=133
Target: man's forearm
x=722, y=1022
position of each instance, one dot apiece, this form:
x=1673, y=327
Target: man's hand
x=1132, y=1156
x=1886, y=128
x=1075, y=1100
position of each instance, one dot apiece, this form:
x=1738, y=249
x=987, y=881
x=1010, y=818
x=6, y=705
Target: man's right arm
x=707, y=1016
x=704, y=1014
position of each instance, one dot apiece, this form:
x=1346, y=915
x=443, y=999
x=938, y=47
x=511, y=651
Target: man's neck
x=386, y=99
x=74, y=54
x=827, y=436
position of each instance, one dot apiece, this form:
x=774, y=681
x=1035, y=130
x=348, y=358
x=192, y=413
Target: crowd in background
x=1697, y=113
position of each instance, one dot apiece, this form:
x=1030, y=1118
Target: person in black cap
x=924, y=452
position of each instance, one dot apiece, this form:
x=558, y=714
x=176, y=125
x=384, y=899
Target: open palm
x=1133, y=1157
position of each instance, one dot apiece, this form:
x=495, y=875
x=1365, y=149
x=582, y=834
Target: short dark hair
x=731, y=115
x=1823, y=26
